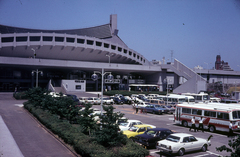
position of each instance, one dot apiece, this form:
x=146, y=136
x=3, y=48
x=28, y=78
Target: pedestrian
x=136, y=108
x=193, y=125
x=201, y=125
x=230, y=132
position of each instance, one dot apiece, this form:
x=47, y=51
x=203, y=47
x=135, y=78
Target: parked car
x=129, y=99
x=150, y=137
x=129, y=123
x=93, y=100
x=117, y=100
x=83, y=100
x=180, y=143
x=108, y=101
x=155, y=109
x=136, y=130
x=169, y=109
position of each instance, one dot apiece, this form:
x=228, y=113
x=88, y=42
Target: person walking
x=201, y=125
x=193, y=125
x=137, y=108
x=230, y=132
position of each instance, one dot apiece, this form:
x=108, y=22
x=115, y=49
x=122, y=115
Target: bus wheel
x=212, y=128
x=184, y=123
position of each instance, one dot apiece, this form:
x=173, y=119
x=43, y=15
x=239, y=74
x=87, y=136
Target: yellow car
x=136, y=130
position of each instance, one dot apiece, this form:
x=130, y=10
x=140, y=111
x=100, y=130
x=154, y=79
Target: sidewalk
x=8, y=146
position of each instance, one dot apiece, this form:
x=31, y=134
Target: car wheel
x=212, y=128
x=181, y=152
x=185, y=123
x=204, y=148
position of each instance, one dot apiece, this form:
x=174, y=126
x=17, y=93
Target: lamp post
x=37, y=71
x=95, y=77
x=166, y=81
x=109, y=59
x=34, y=53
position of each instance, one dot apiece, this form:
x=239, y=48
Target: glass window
x=70, y=40
x=81, y=41
x=210, y=113
x=236, y=114
x=35, y=38
x=192, y=138
x=106, y=45
x=47, y=38
x=89, y=42
x=7, y=39
x=223, y=115
x=59, y=39
x=98, y=43
x=113, y=47
x=20, y=39
x=186, y=110
x=196, y=112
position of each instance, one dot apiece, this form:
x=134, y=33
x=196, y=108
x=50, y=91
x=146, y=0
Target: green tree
x=234, y=147
x=108, y=133
x=86, y=120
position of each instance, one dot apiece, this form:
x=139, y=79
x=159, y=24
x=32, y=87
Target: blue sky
x=196, y=31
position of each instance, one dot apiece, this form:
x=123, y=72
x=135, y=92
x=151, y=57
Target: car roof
x=131, y=120
x=182, y=134
x=142, y=125
x=159, y=129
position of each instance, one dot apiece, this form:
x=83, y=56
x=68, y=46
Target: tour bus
x=178, y=99
x=201, y=97
x=216, y=116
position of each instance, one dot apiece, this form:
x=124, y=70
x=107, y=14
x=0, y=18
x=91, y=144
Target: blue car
x=155, y=109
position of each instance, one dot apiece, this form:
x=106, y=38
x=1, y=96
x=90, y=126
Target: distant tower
x=218, y=62
x=113, y=24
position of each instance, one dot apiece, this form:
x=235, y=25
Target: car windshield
x=173, y=138
x=123, y=124
x=133, y=129
x=150, y=132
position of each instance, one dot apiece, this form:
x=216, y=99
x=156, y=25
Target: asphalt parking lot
x=34, y=141
x=166, y=121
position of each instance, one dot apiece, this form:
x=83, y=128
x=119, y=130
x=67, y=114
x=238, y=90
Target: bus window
x=223, y=115
x=236, y=114
x=186, y=110
x=197, y=112
x=181, y=100
x=210, y=113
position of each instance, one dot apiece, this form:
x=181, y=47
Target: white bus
x=178, y=99
x=216, y=116
x=201, y=97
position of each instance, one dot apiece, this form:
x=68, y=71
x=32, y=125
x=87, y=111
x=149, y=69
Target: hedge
x=82, y=144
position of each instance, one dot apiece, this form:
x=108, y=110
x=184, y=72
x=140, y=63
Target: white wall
x=71, y=85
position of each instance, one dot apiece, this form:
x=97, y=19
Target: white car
x=108, y=101
x=129, y=123
x=141, y=104
x=179, y=143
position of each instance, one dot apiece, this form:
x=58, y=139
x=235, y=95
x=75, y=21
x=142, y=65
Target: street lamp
x=37, y=71
x=109, y=55
x=34, y=53
x=166, y=81
x=95, y=77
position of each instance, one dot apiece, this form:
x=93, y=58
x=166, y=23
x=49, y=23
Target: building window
x=21, y=39
x=59, y=39
x=125, y=51
x=98, y=43
x=80, y=41
x=47, y=38
x=130, y=53
x=134, y=55
x=113, y=47
x=106, y=45
x=35, y=38
x=137, y=56
x=7, y=39
x=70, y=40
x=78, y=87
x=119, y=49
x=89, y=42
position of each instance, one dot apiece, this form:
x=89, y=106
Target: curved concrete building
x=68, y=58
